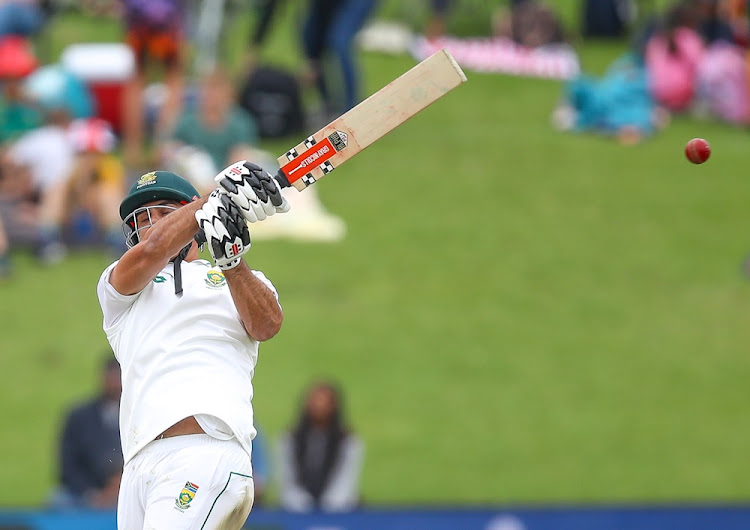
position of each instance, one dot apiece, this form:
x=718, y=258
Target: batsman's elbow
x=267, y=329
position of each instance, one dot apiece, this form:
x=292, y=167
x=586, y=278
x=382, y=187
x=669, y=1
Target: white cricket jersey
x=181, y=356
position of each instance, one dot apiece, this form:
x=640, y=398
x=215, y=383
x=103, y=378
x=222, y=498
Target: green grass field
x=516, y=315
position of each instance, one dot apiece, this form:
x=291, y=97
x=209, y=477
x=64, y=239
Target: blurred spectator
x=155, y=32
x=217, y=133
x=329, y=29
x=55, y=87
x=96, y=185
x=17, y=209
x=273, y=96
x=437, y=18
x=265, y=12
x=722, y=84
x=307, y=220
x=606, y=18
x=90, y=454
x=20, y=17
x=618, y=105
x=17, y=114
x=672, y=56
x=36, y=167
x=40, y=162
x=320, y=460
x=5, y=267
x=70, y=201
x=530, y=23
x=261, y=467
x=713, y=19
x=212, y=135
x=736, y=15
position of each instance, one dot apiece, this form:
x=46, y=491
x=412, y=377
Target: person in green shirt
x=17, y=115
x=218, y=132
x=212, y=134
x=218, y=125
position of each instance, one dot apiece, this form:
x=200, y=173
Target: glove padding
x=226, y=231
x=255, y=192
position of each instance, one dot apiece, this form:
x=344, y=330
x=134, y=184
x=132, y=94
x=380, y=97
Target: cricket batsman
x=186, y=335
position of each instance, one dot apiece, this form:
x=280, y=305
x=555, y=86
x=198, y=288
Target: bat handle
x=281, y=179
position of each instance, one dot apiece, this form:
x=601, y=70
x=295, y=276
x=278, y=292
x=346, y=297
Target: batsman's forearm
x=141, y=263
x=255, y=302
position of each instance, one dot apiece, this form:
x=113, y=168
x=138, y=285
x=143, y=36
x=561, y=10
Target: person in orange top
x=155, y=33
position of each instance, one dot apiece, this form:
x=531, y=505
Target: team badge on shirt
x=215, y=279
x=187, y=494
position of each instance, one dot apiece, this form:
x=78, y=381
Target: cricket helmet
x=154, y=186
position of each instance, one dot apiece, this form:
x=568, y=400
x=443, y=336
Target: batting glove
x=226, y=231
x=253, y=190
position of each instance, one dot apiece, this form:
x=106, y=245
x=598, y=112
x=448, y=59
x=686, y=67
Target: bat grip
x=281, y=179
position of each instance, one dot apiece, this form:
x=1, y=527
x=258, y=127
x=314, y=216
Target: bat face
x=369, y=121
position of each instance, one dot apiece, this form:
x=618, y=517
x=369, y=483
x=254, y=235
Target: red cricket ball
x=697, y=150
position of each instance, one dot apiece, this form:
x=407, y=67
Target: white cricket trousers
x=186, y=482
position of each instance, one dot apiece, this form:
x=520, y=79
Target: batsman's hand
x=226, y=230
x=255, y=192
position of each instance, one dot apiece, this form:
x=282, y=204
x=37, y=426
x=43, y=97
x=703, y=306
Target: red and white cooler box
x=105, y=68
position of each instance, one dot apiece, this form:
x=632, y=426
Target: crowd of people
x=69, y=153
x=690, y=58
x=315, y=465
x=166, y=115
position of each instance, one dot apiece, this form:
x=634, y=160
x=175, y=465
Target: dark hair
x=315, y=478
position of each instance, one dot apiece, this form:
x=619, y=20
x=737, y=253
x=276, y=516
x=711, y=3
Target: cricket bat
x=369, y=121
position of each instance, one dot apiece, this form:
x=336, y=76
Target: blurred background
x=528, y=307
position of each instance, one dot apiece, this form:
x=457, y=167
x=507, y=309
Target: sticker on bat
x=339, y=139
x=308, y=160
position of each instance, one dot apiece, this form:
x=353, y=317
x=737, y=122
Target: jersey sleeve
x=114, y=305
